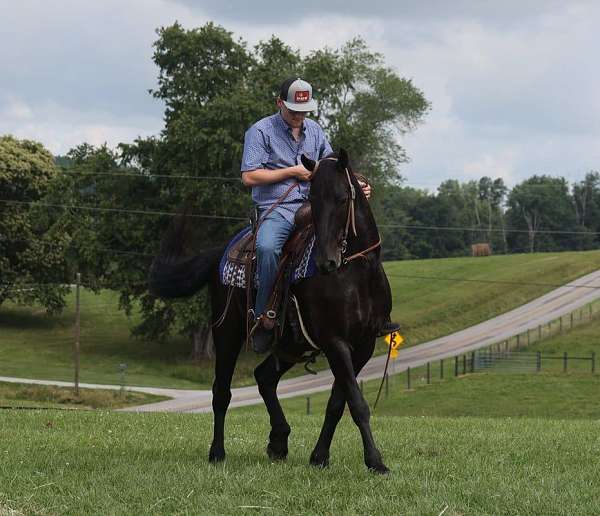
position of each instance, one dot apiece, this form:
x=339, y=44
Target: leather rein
x=350, y=219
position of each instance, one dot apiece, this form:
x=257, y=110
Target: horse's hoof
x=320, y=461
x=381, y=469
x=275, y=454
x=216, y=456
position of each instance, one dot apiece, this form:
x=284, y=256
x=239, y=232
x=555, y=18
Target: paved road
x=529, y=316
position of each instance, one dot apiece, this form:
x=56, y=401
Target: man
x=271, y=165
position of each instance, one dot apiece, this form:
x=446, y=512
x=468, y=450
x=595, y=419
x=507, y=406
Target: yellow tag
x=394, y=340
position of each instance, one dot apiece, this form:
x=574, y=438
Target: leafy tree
x=541, y=203
x=586, y=201
x=32, y=264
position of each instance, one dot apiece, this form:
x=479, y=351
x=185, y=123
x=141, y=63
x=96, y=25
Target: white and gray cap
x=296, y=94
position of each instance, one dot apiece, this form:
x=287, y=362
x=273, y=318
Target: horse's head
x=332, y=193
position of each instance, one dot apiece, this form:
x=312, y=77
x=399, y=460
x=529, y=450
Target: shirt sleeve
x=256, y=151
x=325, y=147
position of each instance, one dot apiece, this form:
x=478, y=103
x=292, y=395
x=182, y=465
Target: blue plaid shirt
x=269, y=144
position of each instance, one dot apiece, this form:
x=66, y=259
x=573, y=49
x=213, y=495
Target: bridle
x=350, y=218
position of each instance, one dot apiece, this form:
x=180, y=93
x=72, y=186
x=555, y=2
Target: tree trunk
x=202, y=343
x=532, y=226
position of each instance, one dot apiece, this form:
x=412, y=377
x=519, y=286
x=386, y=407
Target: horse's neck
x=366, y=229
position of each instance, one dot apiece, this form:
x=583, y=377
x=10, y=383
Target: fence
x=505, y=356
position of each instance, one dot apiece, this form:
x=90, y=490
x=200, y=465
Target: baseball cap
x=296, y=94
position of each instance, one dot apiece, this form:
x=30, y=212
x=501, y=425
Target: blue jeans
x=272, y=235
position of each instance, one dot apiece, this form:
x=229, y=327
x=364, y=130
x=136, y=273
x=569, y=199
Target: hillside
x=34, y=345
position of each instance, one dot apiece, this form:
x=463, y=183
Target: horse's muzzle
x=327, y=265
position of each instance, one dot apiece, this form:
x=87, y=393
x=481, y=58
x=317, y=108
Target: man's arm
x=263, y=176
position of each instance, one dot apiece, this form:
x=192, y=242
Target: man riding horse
x=272, y=166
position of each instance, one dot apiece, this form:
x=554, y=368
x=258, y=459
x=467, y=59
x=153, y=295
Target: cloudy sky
x=513, y=84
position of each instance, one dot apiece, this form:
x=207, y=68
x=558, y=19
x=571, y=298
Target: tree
x=541, y=203
x=32, y=245
x=586, y=201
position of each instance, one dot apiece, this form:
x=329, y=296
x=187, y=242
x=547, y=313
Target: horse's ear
x=343, y=159
x=308, y=163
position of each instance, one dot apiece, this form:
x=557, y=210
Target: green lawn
x=33, y=345
x=544, y=395
x=45, y=396
x=114, y=463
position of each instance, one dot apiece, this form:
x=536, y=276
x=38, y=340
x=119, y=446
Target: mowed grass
x=33, y=345
x=544, y=395
x=45, y=396
x=111, y=463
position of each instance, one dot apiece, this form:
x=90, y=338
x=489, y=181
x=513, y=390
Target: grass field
x=45, y=396
x=545, y=395
x=33, y=345
x=111, y=463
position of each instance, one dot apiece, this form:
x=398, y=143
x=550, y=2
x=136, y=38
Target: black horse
x=343, y=308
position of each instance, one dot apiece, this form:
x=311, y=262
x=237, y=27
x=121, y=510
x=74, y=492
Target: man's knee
x=267, y=247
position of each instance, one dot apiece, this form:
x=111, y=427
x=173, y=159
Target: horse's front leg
x=267, y=377
x=335, y=408
x=340, y=360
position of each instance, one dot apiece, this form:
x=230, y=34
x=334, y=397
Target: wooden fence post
x=565, y=359
x=571, y=320
x=442, y=369
x=538, y=364
x=408, y=378
x=473, y=361
x=308, y=405
x=428, y=373
x=77, y=333
x=456, y=366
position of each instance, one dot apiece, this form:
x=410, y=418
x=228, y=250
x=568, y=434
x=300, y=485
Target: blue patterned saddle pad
x=234, y=274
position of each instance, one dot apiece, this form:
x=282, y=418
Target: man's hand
x=301, y=173
x=366, y=188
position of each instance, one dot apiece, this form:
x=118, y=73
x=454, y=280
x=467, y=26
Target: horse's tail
x=176, y=272
x=182, y=277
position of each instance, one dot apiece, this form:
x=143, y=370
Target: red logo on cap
x=302, y=96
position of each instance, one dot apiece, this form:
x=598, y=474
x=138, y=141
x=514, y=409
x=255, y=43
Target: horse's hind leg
x=267, y=377
x=335, y=409
x=228, y=339
x=340, y=360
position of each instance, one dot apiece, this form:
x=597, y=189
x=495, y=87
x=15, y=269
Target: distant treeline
x=542, y=213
